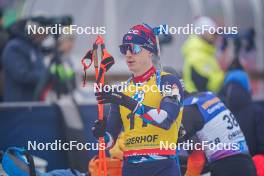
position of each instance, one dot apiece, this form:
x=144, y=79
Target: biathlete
x=221, y=140
x=145, y=117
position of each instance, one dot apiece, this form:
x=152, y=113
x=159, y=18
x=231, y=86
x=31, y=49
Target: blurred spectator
x=236, y=93
x=22, y=62
x=201, y=71
x=62, y=68
x=60, y=76
x=66, y=44
x=3, y=40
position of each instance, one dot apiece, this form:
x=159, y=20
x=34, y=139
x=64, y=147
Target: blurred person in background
x=195, y=126
x=236, y=94
x=60, y=75
x=64, y=69
x=206, y=120
x=201, y=71
x=4, y=36
x=23, y=61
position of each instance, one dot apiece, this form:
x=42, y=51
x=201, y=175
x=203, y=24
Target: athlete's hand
x=116, y=97
x=99, y=128
x=111, y=96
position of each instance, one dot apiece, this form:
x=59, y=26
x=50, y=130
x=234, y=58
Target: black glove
x=99, y=128
x=117, y=98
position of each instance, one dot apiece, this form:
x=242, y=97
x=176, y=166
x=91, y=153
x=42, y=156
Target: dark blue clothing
x=233, y=166
x=166, y=167
x=249, y=115
x=23, y=68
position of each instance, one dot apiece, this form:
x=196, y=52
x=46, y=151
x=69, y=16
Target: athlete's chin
x=131, y=68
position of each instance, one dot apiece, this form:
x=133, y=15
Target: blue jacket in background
x=23, y=67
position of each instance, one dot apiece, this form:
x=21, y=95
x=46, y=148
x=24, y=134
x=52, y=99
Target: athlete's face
x=138, y=63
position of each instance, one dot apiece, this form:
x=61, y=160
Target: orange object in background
x=195, y=164
x=114, y=167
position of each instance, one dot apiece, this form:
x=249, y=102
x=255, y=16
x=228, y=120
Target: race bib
x=222, y=133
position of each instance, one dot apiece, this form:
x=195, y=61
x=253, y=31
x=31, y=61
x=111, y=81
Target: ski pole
x=102, y=159
x=106, y=62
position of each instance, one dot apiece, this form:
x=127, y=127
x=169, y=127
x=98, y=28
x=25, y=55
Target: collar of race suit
x=146, y=76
